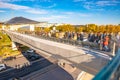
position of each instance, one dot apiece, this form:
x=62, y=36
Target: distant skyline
x=81, y=12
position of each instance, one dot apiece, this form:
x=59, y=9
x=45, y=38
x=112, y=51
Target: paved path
x=18, y=61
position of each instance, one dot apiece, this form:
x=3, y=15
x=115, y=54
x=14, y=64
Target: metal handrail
x=108, y=71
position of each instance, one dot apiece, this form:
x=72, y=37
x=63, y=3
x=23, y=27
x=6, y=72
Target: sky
x=78, y=12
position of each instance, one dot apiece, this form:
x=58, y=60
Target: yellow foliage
x=5, y=47
x=37, y=29
x=65, y=28
x=47, y=29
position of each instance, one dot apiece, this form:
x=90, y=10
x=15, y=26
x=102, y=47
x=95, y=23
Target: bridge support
x=14, y=47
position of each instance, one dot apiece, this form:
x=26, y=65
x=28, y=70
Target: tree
x=47, y=29
x=102, y=28
x=37, y=29
x=0, y=25
x=65, y=28
x=79, y=29
x=92, y=27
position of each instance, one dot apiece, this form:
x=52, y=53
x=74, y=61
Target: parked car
x=30, y=51
x=9, y=58
x=2, y=67
x=35, y=57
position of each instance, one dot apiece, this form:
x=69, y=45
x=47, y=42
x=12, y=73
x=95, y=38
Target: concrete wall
x=16, y=27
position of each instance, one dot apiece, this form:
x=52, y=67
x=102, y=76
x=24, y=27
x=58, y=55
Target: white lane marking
x=80, y=76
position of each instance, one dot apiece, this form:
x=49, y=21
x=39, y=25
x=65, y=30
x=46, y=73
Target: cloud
x=1, y=11
x=88, y=5
x=53, y=17
x=106, y=3
x=69, y=13
x=99, y=4
x=93, y=6
x=52, y=6
x=77, y=14
x=12, y=6
x=33, y=11
x=84, y=15
x=23, y=8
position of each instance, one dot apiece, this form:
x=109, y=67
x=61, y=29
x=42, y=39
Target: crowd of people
x=104, y=40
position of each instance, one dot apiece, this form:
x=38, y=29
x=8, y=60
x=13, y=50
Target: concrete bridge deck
x=82, y=58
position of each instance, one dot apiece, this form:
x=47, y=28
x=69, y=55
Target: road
x=24, y=70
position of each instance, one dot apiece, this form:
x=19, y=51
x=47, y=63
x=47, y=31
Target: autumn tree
x=92, y=27
x=0, y=25
x=65, y=28
x=47, y=29
x=80, y=29
x=38, y=29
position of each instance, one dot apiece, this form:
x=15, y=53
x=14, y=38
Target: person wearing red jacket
x=106, y=43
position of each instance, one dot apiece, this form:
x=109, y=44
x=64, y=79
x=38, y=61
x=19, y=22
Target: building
x=20, y=22
x=24, y=23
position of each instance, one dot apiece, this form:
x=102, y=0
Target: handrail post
x=113, y=53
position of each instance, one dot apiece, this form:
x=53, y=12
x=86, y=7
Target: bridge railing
x=112, y=70
x=66, y=41
x=85, y=44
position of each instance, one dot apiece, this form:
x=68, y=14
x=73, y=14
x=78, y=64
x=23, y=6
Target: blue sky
x=63, y=11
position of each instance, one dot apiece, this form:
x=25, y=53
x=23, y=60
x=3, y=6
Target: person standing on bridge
x=105, y=43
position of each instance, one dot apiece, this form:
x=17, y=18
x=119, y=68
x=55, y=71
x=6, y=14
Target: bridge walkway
x=86, y=59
